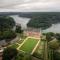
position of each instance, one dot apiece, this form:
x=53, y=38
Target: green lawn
x=29, y=45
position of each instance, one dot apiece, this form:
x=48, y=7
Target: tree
x=56, y=56
x=7, y=35
x=6, y=26
x=9, y=53
x=57, y=35
x=6, y=23
x=23, y=56
x=39, y=22
x=49, y=36
x=18, y=29
x=54, y=44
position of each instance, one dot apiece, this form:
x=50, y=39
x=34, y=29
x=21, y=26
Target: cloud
x=30, y=5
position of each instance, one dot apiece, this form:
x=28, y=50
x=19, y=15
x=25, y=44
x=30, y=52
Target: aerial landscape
x=30, y=30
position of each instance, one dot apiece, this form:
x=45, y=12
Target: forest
x=43, y=20
x=6, y=26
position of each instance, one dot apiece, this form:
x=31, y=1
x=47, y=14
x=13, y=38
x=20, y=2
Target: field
x=29, y=45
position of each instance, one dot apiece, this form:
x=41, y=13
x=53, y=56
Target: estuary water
x=23, y=21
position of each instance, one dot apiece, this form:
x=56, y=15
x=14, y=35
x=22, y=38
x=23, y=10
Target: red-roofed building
x=33, y=32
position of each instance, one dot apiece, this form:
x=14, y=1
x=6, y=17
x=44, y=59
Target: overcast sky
x=30, y=5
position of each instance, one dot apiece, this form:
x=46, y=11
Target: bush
x=9, y=53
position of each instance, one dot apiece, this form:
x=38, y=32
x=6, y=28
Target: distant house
x=33, y=32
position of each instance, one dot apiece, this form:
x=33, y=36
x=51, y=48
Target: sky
x=29, y=5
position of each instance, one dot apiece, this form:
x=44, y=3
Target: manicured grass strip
x=14, y=45
x=29, y=45
x=35, y=47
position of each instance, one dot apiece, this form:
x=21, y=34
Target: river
x=23, y=21
x=54, y=28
